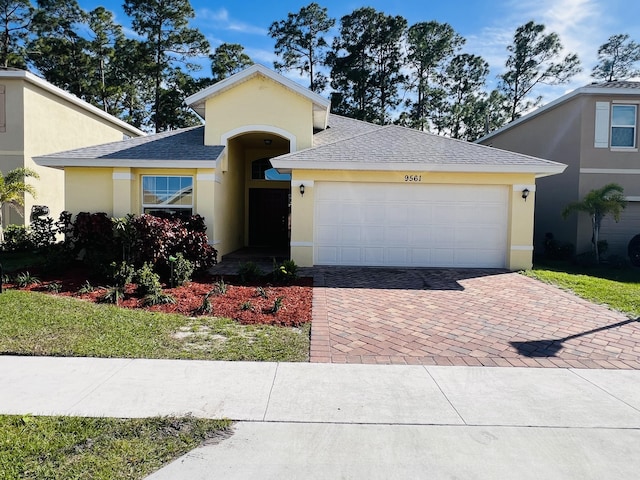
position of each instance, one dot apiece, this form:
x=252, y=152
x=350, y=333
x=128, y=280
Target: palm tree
x=598, y=203
x=12, y=191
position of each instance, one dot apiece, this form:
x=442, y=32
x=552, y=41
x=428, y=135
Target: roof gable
x=320, y=104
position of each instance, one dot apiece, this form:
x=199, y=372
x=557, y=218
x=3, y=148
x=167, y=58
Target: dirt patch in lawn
x=258, y=303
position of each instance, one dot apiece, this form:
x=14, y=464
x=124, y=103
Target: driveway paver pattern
x=463, y=317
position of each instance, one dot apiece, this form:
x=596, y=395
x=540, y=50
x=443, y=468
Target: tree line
x=377, y=68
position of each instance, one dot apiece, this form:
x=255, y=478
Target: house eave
x=62, y=163
x=537, y=170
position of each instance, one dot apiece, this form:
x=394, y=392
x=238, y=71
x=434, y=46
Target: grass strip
x=621, y=295
x=98, y=448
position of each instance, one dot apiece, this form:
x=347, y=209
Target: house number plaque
x=413, y=178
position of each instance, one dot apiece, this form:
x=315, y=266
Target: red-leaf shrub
x=160, y=238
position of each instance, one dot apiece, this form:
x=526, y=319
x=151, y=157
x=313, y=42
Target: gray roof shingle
x=341, y=128
x=175, y=145
x=393, y=144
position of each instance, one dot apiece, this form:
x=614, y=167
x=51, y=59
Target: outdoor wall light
x=302, y=190
x=525, y=194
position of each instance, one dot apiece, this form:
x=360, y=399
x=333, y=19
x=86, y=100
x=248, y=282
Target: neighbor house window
x=167, y=195
x=623, y=126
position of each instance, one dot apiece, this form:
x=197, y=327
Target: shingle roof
x=384, y=147
x=617, y=84
x=341, y=128
x=175, y=145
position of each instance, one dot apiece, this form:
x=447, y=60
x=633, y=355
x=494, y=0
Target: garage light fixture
x=525, y=194
x=301, y=190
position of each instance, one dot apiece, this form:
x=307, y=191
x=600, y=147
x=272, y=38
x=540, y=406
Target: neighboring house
x=344, y=192
x=37, y=118
x=594, y=130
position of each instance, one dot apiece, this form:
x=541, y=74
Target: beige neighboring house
x=272, y=167
x=37, y=118
x=594, y=130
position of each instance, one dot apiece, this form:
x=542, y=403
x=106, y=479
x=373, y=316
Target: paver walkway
x=463, y=317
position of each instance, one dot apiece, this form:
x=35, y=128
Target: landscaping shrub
x=286, y=272
x=181, y=270
x=249, y=272
x=160, y=238
x=16, y=239
x=554, y=250
x=121, y=274
x=42, y=233
x=148, y=282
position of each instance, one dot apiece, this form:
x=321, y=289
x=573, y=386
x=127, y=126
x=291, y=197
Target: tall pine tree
x=164, y=24
x=366, y=63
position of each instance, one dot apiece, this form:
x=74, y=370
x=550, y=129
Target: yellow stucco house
x=273, y=167
x=37, y=118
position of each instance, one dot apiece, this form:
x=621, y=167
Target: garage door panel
x=418, y=224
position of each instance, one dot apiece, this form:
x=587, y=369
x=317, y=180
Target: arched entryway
x=262, y=196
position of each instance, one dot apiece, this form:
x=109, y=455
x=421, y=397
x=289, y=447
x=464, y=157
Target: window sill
x=624, y=149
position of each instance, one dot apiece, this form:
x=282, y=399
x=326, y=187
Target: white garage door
x=380, y=224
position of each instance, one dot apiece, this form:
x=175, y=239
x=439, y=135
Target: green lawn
x=34, y=323
x=617, y=288
x=98, y=448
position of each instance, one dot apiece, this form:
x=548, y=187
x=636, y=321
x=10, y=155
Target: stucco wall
x=556, y=136
x=38, y=123
x=259, y=102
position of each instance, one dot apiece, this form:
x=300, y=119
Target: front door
x=268, y=217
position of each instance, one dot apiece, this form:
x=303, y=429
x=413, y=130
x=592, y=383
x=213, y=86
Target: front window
x=167, y=196
x=623, y=126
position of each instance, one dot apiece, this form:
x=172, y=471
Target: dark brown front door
x=268, y=217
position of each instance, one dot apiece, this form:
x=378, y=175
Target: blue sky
x=488, y=25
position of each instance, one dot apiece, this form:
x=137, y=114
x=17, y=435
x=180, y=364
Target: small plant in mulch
x=261, y=292
x=275, y=308
x=113, y=294
x=249, y=272
x=25, y=279
x=157, y=298
x=286, y=272
x=86, y=288
x=219, y=288
x=246, y=306
x=54, y=287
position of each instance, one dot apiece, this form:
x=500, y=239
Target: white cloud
x=580, y=24
x=221, y=19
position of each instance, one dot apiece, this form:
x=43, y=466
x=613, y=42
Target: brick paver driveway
x=462, y=317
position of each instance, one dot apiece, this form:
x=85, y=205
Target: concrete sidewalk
x=357, y=421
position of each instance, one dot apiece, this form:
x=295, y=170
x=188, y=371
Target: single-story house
x=37, y=118
x=273, y=167
x=594, y=130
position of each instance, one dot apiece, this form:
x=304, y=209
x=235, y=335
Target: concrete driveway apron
x=463, y=317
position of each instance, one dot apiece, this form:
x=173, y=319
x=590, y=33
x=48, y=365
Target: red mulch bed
x=295, y=308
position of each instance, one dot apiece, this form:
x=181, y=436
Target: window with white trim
x=164, y=195
x=623, y=126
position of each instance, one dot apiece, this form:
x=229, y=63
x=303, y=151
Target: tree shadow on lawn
x=549, y=348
